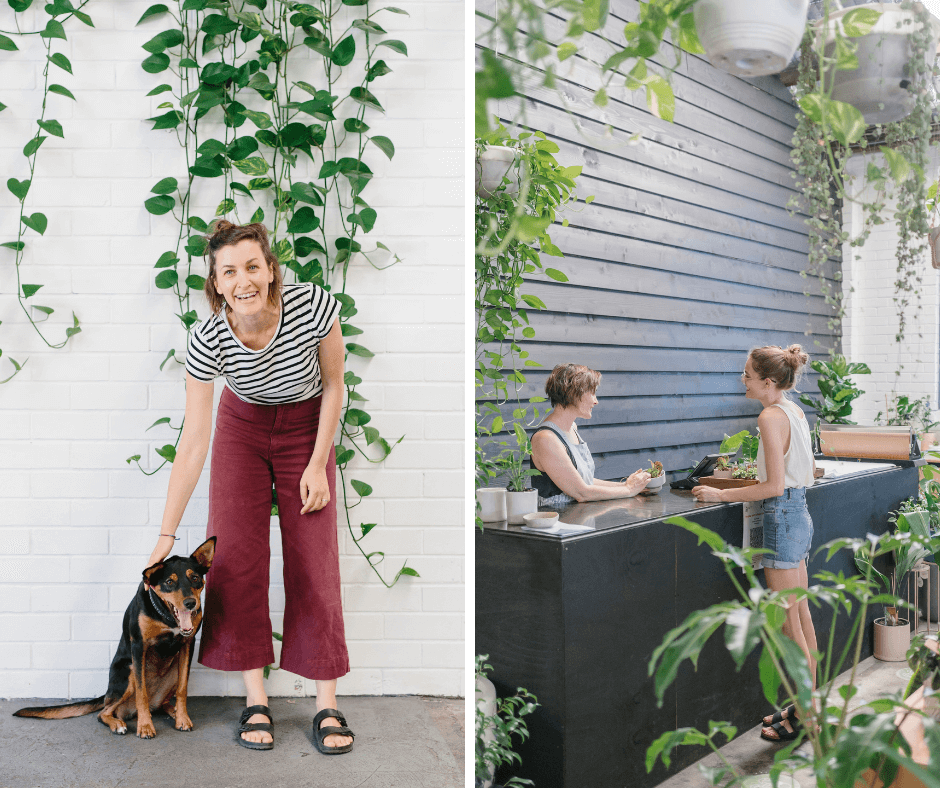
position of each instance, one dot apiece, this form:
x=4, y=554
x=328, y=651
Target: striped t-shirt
x=288, y=369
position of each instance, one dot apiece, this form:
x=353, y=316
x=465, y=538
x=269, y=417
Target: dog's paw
x=146, y=731
x=119, y=730
x=184, y=724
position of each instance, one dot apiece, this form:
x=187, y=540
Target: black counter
x=575, y=621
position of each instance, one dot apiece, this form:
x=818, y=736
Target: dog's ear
x=153, y=575
x=204, y=554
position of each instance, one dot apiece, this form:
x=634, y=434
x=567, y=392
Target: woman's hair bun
x=797, y=356
x=220, y=225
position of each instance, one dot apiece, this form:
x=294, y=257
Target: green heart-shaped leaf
x=19, y=188
x=154, y=10
x=37, y=222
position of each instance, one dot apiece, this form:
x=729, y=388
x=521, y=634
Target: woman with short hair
x=785, y=468
x=280, y=349
x=558, y=452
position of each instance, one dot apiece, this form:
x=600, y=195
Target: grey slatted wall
x=685, y=260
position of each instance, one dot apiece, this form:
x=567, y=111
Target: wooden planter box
x=726, y=484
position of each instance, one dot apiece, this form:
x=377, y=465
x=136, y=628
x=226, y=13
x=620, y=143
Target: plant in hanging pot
x=893, y=633
x=494, y=163
x=830, y=131
x=750, y=38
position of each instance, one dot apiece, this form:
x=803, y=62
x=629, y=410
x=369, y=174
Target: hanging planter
x=492, y=165
x=750, y=38
x=878, y=88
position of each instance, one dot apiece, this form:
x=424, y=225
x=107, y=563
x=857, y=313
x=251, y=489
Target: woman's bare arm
x=551, y=457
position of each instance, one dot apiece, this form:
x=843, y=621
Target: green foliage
x=494, y=732
x=511, y=233
x=528, y=52
x=741, y=440
x=827, y=133
x=843, y=743
x=53, y=29
x=836, y=388
x=905, y=411
x=226, y=65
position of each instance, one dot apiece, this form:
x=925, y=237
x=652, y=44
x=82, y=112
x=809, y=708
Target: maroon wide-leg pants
x=253, y=445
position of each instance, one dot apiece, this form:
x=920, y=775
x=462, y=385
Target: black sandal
x=778, y=716
x=319, y=734
x=244, y=727
x=782, y=733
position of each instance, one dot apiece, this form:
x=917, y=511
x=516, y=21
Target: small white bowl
x=541, y=519
x=655, y=484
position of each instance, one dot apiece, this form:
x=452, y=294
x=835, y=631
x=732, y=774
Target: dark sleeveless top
x=543, y=482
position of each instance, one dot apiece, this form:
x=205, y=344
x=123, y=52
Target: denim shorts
x=788, y=529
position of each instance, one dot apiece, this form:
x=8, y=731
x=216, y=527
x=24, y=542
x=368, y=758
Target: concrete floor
x=401, y=742
x=751, y=755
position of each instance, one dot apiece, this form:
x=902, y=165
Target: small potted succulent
x=657, y=475
x=723, y=468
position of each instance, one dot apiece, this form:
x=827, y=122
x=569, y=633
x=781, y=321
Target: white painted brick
x=33, y=684
x=14, y=656
x=442, y=655
x=34, y=627
x=415, y=626
x=13, y=599
x=73, y=416
x=70, y=656
x=69, y=541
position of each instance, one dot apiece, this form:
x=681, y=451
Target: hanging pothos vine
x=228, y=62
x=59, y=12
x=827, y=132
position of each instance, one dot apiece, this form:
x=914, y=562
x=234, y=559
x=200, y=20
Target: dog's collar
x=162, y=610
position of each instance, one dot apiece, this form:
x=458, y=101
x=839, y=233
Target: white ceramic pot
x=750, y=38
x=519, y=504
x=878, y=88
x=492, y=502
x=655, y=484
x=491, y=166
x=722, y=474
x=486, y=701
x=892, y=643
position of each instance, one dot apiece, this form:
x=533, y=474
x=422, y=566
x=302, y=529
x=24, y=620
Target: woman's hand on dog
x=161, y=551
x=314, y=489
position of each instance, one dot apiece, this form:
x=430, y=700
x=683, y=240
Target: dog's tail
x=76, y=709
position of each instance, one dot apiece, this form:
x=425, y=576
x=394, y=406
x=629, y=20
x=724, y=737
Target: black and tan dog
x=151, y=667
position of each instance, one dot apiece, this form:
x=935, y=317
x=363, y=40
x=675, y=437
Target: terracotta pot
x=750, y=38
x=892, y=643
x=519, y=504
x=926, y=440
x=492, y=504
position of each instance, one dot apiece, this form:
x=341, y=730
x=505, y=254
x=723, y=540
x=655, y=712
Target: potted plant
x=493, y=164
x=521, y=498
x=496, y=723
x=744, y=470
x=843, y=742
x=914, y=413
x=723, y=469
x=750, y=38
x=893, y=633
x=882, y=34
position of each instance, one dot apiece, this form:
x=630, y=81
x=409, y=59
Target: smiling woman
x=280, y=350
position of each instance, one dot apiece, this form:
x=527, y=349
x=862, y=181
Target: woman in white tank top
x=785, y=468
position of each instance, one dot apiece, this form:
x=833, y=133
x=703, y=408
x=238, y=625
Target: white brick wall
x=871, y=321
x=76, y=523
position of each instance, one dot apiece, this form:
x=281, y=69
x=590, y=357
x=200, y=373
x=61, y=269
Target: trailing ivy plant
x=259, y=92
x=59, y=12
x=515, y=44
x=826, y=134
x=511, y=233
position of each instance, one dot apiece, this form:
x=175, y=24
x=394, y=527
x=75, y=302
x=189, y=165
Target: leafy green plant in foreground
x=844, y=742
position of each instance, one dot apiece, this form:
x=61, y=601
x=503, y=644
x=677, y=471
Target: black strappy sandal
x=778, y=716
x=244, y=727
x=782, y=733
x=319, y=734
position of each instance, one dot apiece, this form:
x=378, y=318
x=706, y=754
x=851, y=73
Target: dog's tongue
x=186, y=619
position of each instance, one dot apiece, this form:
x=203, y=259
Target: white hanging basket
x=492, y=165
x=750, y=38
x=878, y=88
